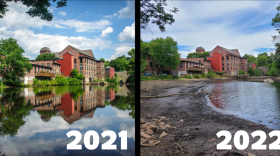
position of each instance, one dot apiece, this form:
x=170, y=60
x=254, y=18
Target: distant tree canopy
x=198, y=55
x=45, y=57
x=153, y=11
x=38, y=8
x=251, y=58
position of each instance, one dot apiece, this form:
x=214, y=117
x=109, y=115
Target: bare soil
x=196, y=135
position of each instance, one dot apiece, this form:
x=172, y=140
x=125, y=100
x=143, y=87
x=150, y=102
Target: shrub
x=219, y=73
x=273, y=72
x=35, y=81
x=188, y=76
x=45, y=83
x=175, y=77
x=74, y=81
x=196, y=76
x=61, y=80
x=241, y=72
x=211, y=74
x=53, y=83
x=203, y=75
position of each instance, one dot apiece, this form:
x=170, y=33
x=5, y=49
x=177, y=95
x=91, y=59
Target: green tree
x=75, y=74
x=153, y=11
x=119, y=63
x=165, y=53
x=38, y=8
x=130, y=67
x=262, y=60
x=45, y=57
x=107, y=63
x=145, y=51
x=198, y=55
x=13, y=64
x=251, y=58
x=276, y=23
x=102, y=59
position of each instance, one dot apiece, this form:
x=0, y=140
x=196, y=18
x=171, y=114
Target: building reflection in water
x=71, y=106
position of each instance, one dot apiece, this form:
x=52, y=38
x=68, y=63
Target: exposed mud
x=196, y=135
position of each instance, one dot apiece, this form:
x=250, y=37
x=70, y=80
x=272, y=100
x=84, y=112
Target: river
x=34, y=121
x=254, y=101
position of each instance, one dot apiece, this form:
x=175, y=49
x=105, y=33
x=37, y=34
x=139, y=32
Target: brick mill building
x=66, y=60
x=228, y=61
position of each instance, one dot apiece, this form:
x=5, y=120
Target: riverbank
x=194, y=123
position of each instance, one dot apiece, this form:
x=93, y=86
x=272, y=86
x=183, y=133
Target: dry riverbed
x=181, y=122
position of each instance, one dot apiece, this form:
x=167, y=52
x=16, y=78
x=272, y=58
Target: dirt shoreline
x=196, y=135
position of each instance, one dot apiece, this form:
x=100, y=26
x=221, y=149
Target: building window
x=156, y=65
x=81, y=67
x=227, y=68
x=194, y=60
x=227, y=57
x=223, y=68
x=181, y=65
x=74, y=60
x=42, y=64
x=81, y=60
x=199, y=61
x=75, y=67
x=222, y=58
x=187, y=64
x=151, y=64
x=48, y=64
x=227, y=63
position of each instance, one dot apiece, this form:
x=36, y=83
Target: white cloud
x=226, y=23
x=108, y=16
x=82, y=26
x=128, y=11
x=11, y=21
x=107, y=31
x=128, y=33
x=59, y=26
x=122, y=49
x=62, y=13
x=32, y=43
x=115, y=14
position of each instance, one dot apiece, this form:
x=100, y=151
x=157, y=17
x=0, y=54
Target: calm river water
x=255, y=101
x=34, y=121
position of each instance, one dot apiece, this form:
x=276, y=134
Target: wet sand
x=196, y=135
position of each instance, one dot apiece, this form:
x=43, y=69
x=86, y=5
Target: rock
x=163, y=118
x=174, y=116
x=160, y=129
x=148, y=123
x=145, y=141
x=181, y=120
x=149, y=131
x=148, y=117
x=162, y=134
x=250, y=154
x=143, y=126
x=186, y=134
x=161, y=123
x=152, y=127
x=167, y=127
x=156, y=120
x=269, y=80
x=145, y=135
x=142, y=121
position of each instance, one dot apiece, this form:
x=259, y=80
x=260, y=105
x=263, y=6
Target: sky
x=242, y=25
x=105, y=27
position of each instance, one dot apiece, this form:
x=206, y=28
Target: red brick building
x=222, y=59
x=68, y=59
x=110, y=72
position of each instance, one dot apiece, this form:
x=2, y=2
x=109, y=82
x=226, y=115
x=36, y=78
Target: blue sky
x=242, y=25
x=105, y=27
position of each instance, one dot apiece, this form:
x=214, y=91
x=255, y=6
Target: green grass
x=160, y=77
